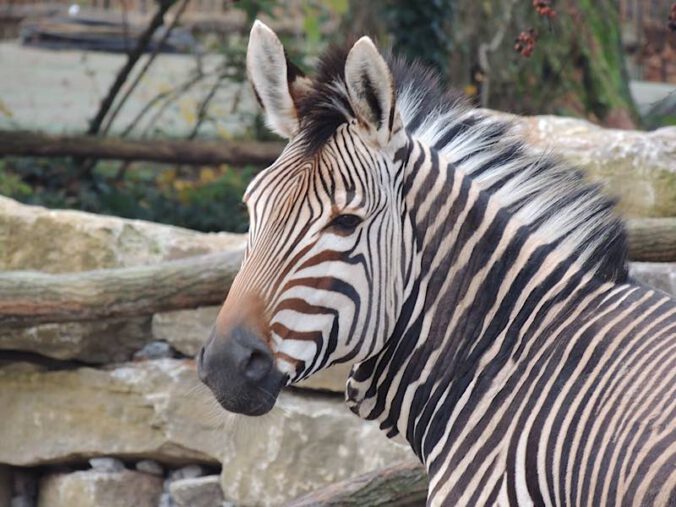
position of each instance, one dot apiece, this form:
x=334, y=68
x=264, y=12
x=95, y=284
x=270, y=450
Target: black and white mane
x=543, y=192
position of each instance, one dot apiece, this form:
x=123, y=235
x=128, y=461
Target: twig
x=146, y=66
x=134, y=55
x=170, y=94
x=202, y=112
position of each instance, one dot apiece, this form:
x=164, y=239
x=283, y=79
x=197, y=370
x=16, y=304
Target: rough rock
x=197, y=492
x=637, y=167
x=187, y=472
x=111, y=340
x=661, y=275
x=159, y=410
x=106, y=464
x=100, y=489
x=78, y=241
x=332, y=379
x=156, y=349
x=151, y=409
x=303, y=443
x=185, y=330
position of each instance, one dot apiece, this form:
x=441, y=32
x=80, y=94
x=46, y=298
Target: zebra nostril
x=257, y=365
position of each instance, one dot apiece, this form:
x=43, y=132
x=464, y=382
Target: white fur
x=267, y=70
x=364, y=63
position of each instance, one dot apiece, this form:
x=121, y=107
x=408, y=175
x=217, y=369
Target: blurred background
x=134, y=74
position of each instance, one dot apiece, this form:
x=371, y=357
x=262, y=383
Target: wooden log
x=30, y=144
x=652, y=239
x=29, y=298
x=400, y=485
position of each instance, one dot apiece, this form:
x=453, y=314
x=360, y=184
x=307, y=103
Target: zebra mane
x=546, y=194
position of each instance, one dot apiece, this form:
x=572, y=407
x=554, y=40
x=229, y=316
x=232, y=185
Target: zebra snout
x=240, y=371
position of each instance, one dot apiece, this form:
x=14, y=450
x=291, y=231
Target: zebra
x=479, y=289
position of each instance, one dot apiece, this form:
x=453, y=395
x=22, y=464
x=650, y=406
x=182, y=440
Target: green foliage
x=206, y=200
x=252, y=8
x=421, y=30
x=11, y=184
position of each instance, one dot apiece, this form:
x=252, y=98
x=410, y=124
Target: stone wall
x=110, y=412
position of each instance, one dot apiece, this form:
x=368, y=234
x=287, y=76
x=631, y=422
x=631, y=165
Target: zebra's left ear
x=371, y=90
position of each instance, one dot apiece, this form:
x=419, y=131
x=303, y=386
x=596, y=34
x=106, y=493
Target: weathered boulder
x=92, y=488
x=185, y=330
x=101, y=341
x=637, y=167
x=159, y=410
x=152, y=409
x=302, y=444
x=661, y=275
x=198, y=492
x=60, y=241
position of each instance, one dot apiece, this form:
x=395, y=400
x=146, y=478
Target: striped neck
x=475, y=268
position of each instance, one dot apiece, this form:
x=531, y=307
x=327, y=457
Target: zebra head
x=324, y=272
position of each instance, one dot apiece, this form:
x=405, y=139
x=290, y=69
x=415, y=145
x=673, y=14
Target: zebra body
x=479, y=289
x=541, y=385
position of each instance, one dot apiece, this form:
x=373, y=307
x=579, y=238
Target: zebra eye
x=345, y=223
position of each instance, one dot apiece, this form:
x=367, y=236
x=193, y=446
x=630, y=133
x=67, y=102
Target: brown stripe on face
x=244, y=309
x=284, y=332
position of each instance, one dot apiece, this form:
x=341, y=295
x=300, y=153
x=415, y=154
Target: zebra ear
x=371, y=90
x=277, y=83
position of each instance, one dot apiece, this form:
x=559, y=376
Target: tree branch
x=166, y=150
x=28, y=298
x=134, y=55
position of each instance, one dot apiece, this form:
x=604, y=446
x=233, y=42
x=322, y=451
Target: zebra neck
x=476, y=269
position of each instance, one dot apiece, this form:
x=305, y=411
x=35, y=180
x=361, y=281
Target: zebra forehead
x=327, y=175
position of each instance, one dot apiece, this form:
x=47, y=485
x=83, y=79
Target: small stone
x=150, y=466
x=91, y=488
x=166, y=500
x=185, y=330
x=199, y=492
x=187, y=472
x=154, y=350
x=106, y=465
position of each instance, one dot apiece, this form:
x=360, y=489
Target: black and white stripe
x=483, y=295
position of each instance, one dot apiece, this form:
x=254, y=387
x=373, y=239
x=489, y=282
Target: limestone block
x=305, y=442
x=61, y=241
x=152, y=409
x=92, y=488
x=198, y=492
